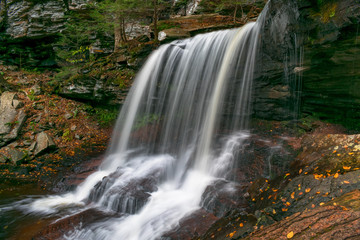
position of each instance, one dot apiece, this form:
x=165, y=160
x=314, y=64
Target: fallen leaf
x=347, y=182
x=290, y=235
x=300, y=171
x=346, y=168
x=274, y=212
x=241, y=225
x=321, y=203
x=284, y=209
x=313, y=205
x=307, y=190
x=232, y=234
x=287, y=204
x=292, y=195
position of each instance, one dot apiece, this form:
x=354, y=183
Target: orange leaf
x=287, y=204
x=300, y=171
x=292, y=195
x=241, y=225
x=307, y=190
x=232, y=234
x=347, y=182
x=321, y=203
x=346, y=168
x=284, y=209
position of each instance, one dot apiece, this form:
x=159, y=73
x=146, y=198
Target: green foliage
x=106, y=116
x=168, y=25
x=145, y=120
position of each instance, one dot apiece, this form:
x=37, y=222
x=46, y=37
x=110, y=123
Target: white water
x=164, y=151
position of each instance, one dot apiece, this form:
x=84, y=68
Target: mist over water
x=165, y=148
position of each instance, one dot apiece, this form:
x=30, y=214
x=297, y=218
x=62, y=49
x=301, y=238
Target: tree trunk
x=155, y=19
x=235, y=12
x=3, y=14
x=117, y=34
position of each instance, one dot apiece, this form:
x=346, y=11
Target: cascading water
x=164, y=151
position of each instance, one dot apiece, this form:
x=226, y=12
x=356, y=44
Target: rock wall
x=28, y=29
x=309, y=49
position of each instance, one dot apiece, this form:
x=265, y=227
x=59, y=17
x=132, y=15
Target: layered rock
x=310, y=47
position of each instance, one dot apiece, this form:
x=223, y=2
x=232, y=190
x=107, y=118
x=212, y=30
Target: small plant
x=31, y=95
x=67, y=135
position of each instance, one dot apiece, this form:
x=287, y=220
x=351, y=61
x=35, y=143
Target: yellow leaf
x=321, y=203
x=336, y=175
x=307, y=190
x=346, y=168
x=290, y=235
x=274, y=212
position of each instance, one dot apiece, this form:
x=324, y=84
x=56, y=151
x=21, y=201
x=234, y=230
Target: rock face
x=309, y=46
x=26, y=19
x=28, y=30
x=11, y=118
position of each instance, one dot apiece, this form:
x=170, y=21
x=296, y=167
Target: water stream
x=165, y=148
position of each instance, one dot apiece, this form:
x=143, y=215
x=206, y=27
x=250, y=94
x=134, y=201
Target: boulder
x=11, y=154
x=11, y=119
x=44, y=143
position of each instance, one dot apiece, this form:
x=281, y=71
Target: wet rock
x=191, y=227
x=44, y=143
x=11, y=119
x=11, y=154
x=325, y=222
x=56, y=230
x=222, y=196
x=129, y=197
x=237, y=224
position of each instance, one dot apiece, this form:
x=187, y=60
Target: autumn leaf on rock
x=290, y=235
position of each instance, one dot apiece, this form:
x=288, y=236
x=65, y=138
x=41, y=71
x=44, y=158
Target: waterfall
x=165, y=148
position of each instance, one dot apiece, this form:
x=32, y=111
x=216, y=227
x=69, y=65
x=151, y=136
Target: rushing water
x=165, y=149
